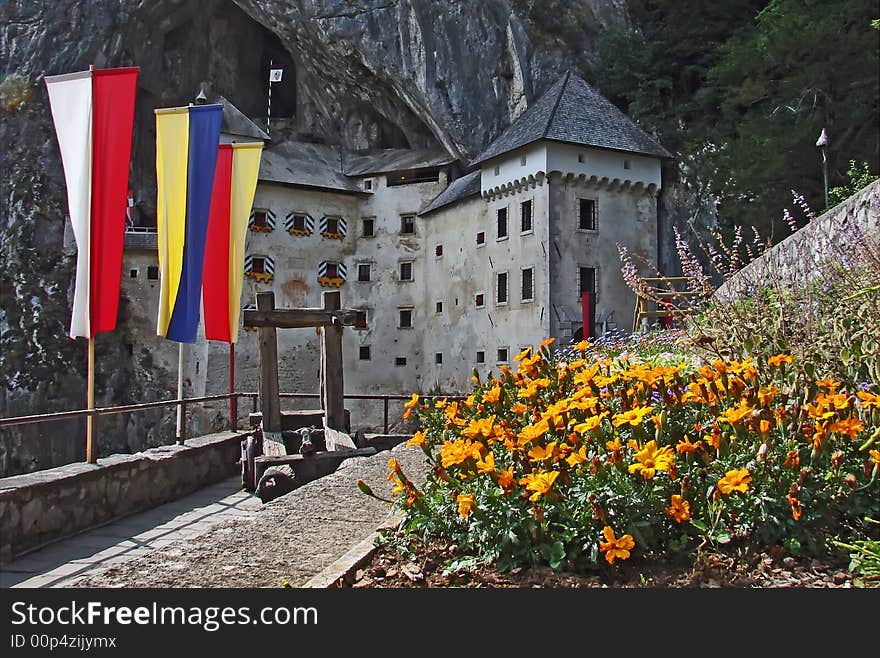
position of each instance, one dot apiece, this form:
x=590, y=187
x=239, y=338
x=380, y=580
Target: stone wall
x=38, y=508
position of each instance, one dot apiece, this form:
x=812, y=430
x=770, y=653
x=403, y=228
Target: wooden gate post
x=270, y=402
x=331, y=364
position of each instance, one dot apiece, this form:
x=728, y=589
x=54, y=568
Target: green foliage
x=15, y=93
x=864, y=556
x=858, y=176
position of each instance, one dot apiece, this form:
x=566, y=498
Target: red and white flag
x=93, y=112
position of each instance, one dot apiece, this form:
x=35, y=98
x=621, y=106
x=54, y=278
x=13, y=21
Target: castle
x=450, y=271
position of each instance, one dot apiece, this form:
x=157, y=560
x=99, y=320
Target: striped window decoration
x=299, y=223
x=333, y=227
x=259, y=268
x=331, y=274
x=262, y=220
x=248, y=307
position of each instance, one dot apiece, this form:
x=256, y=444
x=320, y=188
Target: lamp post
x=822, y=142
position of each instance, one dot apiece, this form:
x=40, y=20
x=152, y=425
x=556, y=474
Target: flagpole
x=269, y=110
x=233, y=401
x=91, y=458
x=180, y=434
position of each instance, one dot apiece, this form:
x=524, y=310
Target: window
x=501, y=288
x=438, y=307
x=528, y=285
x=481, y=238
x=587, y=214
x=502, y=355
x=368, y=183
x=497, y=170
x=332, y=270
x=481, y=356
x=581, y=157
x=480, y=299
x=360, y=320
x=522, y=161
x=587, y=279
x=258, y=265
x=363, y=271
x=406, y=318
x=407, y=224
x=133, y=274
x=332, y=225
x=153, y=272
x=526, y=216
x=260, y=218
x=406, y=271
x=400, y=361
x=502, y=223
x=626, y=164
x=438, y=250
x=438, y=358
x=368, y=227
x=364, y=353
x=298, y=223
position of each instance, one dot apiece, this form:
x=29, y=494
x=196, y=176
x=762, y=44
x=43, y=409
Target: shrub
x=577, y=460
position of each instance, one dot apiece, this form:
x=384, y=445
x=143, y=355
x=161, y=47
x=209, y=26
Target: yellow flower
x=483, y=427
x=532, y=432
x=736, y=414
x=869, y=399
x=506, y=479
x=875, y=456
x=539, y=482
x=576, y=458
x=440, y=404
x=547, y=342
x=652, y=459
x=582, y=346
x=519, y=408
x=590, y=423
x=736, y=480
x=830, y=384
x=614, y=445
x=634, y=416
x=849, y=427
x=418, y=439
x=465, y=504
x=486, y=465
x=539, y=454
x=492, y=395
x=679, y=510
x=685, y=446
x=779, y=359
x=522, y=355
x=413, y=401
x=764, y=426
x=458, y=451
x=616, y=548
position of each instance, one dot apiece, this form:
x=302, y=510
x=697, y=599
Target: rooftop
x=307, y=164
x=237, y=124
x=460, y=188
x=388, y=160
x=574, y=112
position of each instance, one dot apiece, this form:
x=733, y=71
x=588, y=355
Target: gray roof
x=141, y=238
x=307, y=164
x=395, y=160
x=460, y=188
x=574, y=112
x=236, y=123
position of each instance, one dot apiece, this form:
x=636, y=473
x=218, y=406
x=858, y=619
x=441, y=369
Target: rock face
x=361, y=73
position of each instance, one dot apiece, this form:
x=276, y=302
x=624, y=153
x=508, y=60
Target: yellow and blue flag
x=187, y=139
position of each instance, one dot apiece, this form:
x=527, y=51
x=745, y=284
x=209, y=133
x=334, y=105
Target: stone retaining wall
x=41, y=507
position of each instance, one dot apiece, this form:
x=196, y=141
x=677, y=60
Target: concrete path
x=60, y=563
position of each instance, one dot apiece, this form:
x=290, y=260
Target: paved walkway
x=60, y=563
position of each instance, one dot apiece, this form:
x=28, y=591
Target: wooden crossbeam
x=298, y=318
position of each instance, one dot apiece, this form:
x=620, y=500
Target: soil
x=747, y=568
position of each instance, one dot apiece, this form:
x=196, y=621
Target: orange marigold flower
x=492, y=395
x=634, y=416
x=582, y=346
x=869, y=399
x=679, y=510
x=614, y=444
x=652, y=459
x=458, y=451
x=519, y=408
x=486, y=465
x=829, y=383
x=850, y=427
x=418, y=439
x=779, y=359
x=522, y=355
x=685, y=446
x=616, y=548
x=539, y=482
x=875, y=456
x=576, y=458
x=539, y=454
x=410, y=405
x=590, y=423
x=466, y=504
x=797, y=509
x=440, y=404
x=506, y=479
x=736, y=414
x=547, y=342
x=764, y=426
x=735, y=480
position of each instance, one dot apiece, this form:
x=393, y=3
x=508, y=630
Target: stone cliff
x=360, y=73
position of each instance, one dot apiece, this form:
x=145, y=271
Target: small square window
x=299, y=223
x=527, y=293
x=587, y=214
x=481, y=356
x=368, y=227
x=407, y=224
x=481, y=238
x=368, y=183
x=626, y=164
x=364, y=352
x=360, y=320
x=364, y=271
x=332, y=270
x=260, y=218
x=522, y=161
x=480, y=300
x=526, y=216
x=502, y=223
x=133, y=274
x=438, y=250
x=582, y=158
x=438, y=358
x=153, y=272
x=258, y=265
x=497, y=170
x=438, y=307
x=406, y=271
x=333, y=225
x=406, y=318
x=400, y=361
x=502, y=355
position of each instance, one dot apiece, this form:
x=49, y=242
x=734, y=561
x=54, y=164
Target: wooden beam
x=331, y=366
x=270, y=402
x=298, y=318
